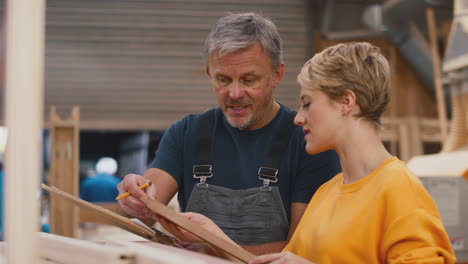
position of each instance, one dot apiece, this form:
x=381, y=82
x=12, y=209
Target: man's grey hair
x=236, y=32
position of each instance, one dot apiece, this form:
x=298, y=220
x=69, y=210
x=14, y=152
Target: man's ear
x=207, y=70
x=278, y=75
x=348, y=102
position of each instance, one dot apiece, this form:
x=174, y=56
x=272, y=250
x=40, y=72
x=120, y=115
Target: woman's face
x=320, y=119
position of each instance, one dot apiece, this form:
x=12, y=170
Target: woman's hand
x=283, y=258
x=192, y=242
x=198, y=219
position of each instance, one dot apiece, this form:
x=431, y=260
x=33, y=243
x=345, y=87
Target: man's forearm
x=272, y=247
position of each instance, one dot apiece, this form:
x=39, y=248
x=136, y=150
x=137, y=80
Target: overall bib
x=252, y=216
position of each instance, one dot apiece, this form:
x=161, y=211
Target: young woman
x=376, y=210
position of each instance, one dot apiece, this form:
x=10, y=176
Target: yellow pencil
x=146, y=185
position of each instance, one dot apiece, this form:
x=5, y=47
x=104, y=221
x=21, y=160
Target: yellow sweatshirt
x=386, y=217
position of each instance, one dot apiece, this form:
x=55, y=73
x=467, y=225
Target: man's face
x=244, y=82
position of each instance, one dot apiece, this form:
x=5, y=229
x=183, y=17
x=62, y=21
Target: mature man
x=244, y=163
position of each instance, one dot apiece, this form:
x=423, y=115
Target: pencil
x=146, y=185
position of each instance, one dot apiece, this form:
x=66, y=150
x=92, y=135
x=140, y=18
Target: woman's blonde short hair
x=357, y=66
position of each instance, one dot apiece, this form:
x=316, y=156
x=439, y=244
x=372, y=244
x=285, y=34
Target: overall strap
x=203, y=167
x=269, y=172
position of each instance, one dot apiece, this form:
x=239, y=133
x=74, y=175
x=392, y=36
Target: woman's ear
x=348, y=102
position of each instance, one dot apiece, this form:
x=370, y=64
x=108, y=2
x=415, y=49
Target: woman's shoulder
x=396, y=174
x=400, y=186
x=334, y=182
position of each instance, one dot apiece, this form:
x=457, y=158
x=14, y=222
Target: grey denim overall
x=252, y=216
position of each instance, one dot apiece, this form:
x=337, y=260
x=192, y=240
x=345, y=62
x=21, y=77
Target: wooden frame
x=410, y=133
x=64, y=167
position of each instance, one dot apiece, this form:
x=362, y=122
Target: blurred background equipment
x=445, y=174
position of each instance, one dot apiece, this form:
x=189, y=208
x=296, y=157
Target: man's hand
x=131, y=204
x=283, y=258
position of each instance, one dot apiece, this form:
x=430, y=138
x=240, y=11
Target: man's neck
x=269, y=116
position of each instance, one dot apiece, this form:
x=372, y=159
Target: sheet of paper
x=140, y=223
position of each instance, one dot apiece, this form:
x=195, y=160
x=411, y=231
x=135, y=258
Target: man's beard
x=252, y=119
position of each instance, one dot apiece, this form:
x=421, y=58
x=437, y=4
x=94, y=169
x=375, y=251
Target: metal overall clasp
x=202, y=172
x=267, y=175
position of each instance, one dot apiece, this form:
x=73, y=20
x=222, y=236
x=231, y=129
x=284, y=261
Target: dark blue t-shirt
x=238, y=154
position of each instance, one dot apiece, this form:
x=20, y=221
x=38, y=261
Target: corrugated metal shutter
x=136, y=64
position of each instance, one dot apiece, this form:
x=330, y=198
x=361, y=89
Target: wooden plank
x=154, y=253
x=67, y=250
x=436, y=70
x=415, y=139
x=131, y=125
x=220, y=243
x=88, y=217
x=113, y=218
x=405, y=148
x=393, y=100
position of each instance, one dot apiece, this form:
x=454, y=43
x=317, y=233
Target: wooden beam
x=405, y=149
x=436, y=69
x=154, y=253
x=24, y=83
x=67, y=250
x=88, y=217
x=393, y=99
